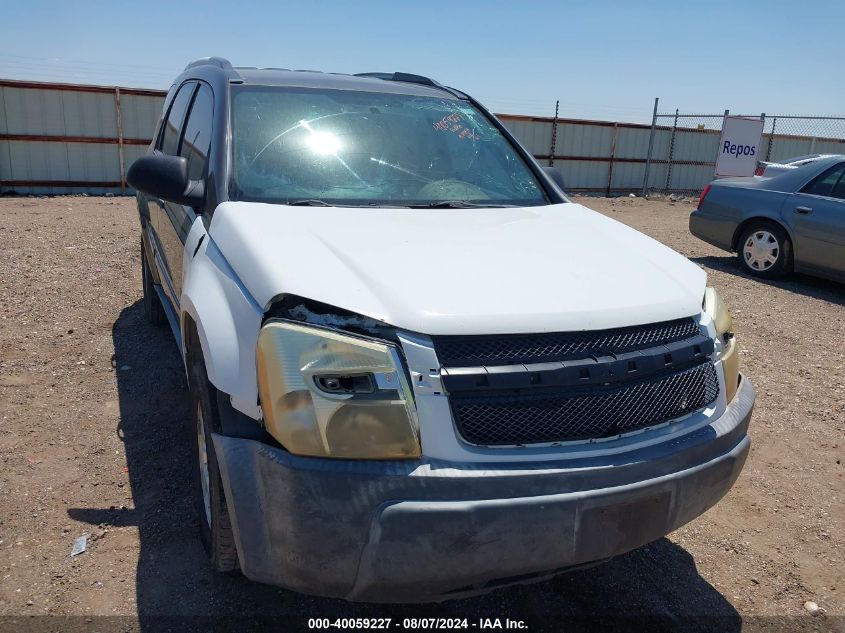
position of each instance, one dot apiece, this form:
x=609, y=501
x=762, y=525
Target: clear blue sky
x=602, y=60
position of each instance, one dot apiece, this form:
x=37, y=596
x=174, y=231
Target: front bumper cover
x=414, y=531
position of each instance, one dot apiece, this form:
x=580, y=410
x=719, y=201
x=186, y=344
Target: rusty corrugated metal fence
x=65, y=138
x=62, y=138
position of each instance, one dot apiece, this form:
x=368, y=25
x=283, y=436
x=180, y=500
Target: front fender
x=227, y=319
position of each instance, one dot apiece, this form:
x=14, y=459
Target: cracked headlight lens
x=725, y=339
x=325, y=393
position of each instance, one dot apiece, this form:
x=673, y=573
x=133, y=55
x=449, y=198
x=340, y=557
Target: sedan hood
x=460, y=271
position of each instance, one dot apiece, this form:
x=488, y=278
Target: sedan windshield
x=343, y=147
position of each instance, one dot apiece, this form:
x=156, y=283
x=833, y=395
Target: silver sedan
x=792, y=221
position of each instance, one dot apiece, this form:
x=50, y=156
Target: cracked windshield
x=344, y=147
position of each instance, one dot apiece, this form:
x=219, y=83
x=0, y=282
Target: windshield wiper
x=309, y=203
x=442, y=204
x=458, y=204
x=313, y=202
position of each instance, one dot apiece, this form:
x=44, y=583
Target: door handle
x=803, y=210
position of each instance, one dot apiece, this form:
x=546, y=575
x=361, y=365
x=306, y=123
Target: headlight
x=329, y=394
x=726, y=340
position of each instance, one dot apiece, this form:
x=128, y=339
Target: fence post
x=671, y=153
x=554, y=136
x=612, y=156
x=727, y=112
x=771, y=139
x=650, y=147
x=119, y=122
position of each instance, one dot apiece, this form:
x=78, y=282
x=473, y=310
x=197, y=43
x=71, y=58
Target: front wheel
x=764, y=250
x=210, y=501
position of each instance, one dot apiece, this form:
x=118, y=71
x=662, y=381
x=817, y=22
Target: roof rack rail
x=406, y=77
x=211, y=61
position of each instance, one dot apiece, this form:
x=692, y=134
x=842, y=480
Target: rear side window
x=170, y=135
x=839, y=190
x=197, y=139
x=825, y=184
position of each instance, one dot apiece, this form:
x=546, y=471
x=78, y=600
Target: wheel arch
x=220, y=319
x=759, y=218
x=190, y=339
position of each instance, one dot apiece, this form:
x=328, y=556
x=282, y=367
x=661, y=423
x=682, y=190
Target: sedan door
x=817, y=215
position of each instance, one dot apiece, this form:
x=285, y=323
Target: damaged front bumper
x=413, y=531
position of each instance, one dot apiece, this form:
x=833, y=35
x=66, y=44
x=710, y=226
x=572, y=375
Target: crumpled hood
x=460, y=271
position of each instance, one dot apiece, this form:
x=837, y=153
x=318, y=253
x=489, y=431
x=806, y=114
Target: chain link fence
x=683, y=147
x=788, y=136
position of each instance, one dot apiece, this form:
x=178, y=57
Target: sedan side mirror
x=166, y=177
x=555, y=176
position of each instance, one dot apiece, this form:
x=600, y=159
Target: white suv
x=417, y=370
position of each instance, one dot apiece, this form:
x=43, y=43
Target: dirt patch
x=92, y=440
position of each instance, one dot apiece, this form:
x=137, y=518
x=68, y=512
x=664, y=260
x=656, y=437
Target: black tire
x=153, y=310
x=215, y=526
x=775, y=245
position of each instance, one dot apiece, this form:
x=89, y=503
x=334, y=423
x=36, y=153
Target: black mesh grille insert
x=543, y=416
x=505, y=349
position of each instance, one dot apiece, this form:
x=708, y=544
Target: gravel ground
x=92, y=440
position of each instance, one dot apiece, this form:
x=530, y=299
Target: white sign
x=739, y=147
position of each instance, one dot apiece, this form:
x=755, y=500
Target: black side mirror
x=555, y=176
x=166, y=177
